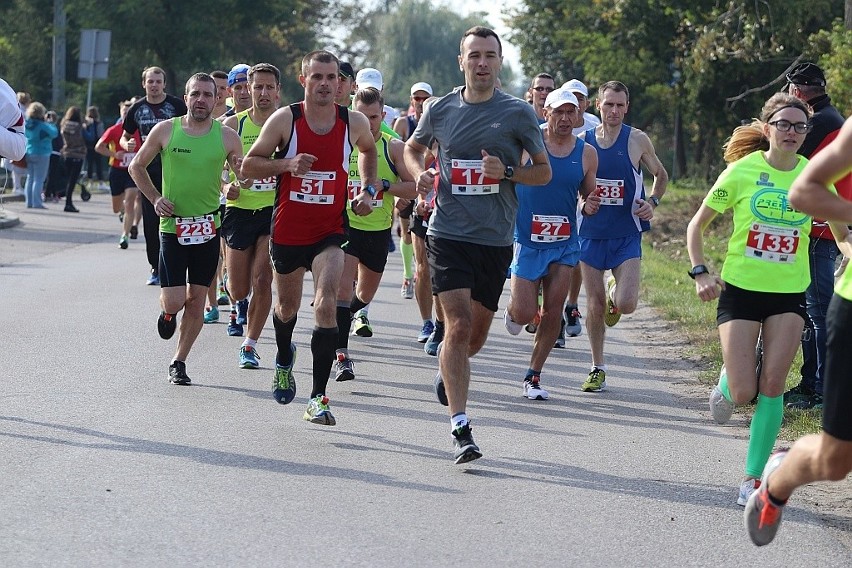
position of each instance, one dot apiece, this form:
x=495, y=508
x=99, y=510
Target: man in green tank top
x=248, y=218
x=192, y=148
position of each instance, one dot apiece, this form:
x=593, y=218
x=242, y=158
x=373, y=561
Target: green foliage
x=833, y=49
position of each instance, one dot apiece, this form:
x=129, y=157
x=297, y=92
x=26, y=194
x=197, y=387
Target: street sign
x=94, y=54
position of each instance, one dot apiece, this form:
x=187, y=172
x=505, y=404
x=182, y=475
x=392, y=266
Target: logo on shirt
x=181, y=150
x=764, y=180
x=772, y=206
x=496, y=125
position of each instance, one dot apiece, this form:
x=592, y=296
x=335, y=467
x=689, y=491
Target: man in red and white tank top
x=311, y=142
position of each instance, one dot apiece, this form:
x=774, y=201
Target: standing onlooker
x=73, y=152
x=54, y=189
x=92, y=132
x=39, y=135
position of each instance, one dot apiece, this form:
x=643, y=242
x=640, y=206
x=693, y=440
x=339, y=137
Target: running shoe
x=407, y=290
x=234, y=329
x=122, y=242
x=596, y=381
x=134, y=232
x=153, y=279
x=466, y=448
x=344, y=368
x=318, y=411
x=425, y=331
x=284, y=384
x=612, y=315
x=560, y=339
x=242, y=312
x=762, y=517
x=222, y=299
x=533, y=390
x=532, y=327
x=121, y=216
x=177, y=373
x=362, y=326
x=440, y=390
x=166, y=325
x=573, y=327
x=720, y=407
x=211, y=315
x=807, y=403
x=431, y=346
x=513, y=327
x=797, y=393
x=249, y=359
x=747, y=487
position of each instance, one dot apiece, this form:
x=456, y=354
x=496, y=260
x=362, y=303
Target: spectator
x=39, y=134
x=56, y=181
x=73, y=152
x=92, y=132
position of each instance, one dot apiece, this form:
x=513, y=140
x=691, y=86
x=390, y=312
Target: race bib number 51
x=611, y=191
x=316, y=188
x=772, y=244
x=550, y=228
x=195, y=230
x=468, y=179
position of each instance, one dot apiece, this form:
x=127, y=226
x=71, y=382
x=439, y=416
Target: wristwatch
x=655, y=200
x=385, y=185
x=698, y=269
x=371, y=190
x=508, y=172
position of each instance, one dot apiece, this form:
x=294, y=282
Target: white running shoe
x=533, y=390
x=747, y=487
x=513, y=327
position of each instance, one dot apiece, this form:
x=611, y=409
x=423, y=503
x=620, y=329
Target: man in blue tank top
x=546, y=242
x=612, y=239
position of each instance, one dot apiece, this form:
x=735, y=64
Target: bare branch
x=778, y=79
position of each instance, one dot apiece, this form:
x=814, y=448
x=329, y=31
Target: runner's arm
x=403, y=188
x=537, y=173
x=708, y=286
x=652, y=164
x=156, y=141
x=234, y=146
x=362, y=138
x=810, y=193
x=274, y=134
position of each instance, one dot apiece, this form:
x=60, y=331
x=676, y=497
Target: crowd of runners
x=487, y=187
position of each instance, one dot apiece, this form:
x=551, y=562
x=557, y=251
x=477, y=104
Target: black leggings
x=72, y=170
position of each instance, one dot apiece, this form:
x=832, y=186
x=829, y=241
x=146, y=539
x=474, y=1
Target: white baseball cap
x=421, y=86
x=369, y=77
x=559, y=97
x=576, y=86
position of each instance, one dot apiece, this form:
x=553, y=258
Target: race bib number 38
x=316, y=188
x=550, y=228
x=772, y=244
x=611, y=191
x=195, y=230
x=468, y=179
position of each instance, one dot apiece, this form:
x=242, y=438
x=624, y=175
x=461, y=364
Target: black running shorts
x=180, y=264
x=288, y=258
x=369, y=247
x=837, y=382
x=241, y=228
x=740, y=304
x=481, y=268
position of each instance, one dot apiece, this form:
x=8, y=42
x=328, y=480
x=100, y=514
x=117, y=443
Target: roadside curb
x=8, y=219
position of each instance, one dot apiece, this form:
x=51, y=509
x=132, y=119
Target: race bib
x=611, y=191
x=550, y=228
x=772, y=244
x=195, y=230
x=265, y=184
x=316, y=188
x=468, y=179
x=354, y=187
x=126, y=159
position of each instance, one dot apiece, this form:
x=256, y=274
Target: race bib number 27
x=550, y=228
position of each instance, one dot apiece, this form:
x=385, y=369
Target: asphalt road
x=105, y=463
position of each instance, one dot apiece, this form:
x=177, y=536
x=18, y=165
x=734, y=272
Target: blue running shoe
x=242, y=312
x=153, y=279
x=234, y=329
x=211, y=315
x=425, y=331
x=431, y=347
x=249, y=359
x=284, y=385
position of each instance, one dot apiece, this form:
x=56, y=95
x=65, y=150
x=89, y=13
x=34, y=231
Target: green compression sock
x=723, y=386
x=407, y=252
x=765, y=426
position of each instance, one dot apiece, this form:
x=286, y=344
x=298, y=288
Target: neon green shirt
x=192, y=168
x=768, y=249
x=262, y=192
x=381, y=217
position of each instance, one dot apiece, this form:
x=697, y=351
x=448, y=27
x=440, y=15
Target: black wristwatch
x=508, y=172
x=698, y=269
x=655, y=200
x=385, y=185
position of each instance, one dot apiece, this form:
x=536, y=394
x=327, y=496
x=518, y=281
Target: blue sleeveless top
x=619, y=184
x=547, y=214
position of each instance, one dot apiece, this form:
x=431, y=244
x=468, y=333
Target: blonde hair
x=36, y=110
x=749, y=138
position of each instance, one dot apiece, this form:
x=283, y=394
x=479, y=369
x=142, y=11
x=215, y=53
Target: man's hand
x=163, y=207
x=301, y=164
x=645, y=210
x=361, y=204
x=492, y=166
x=426, y=181
x=592, y=203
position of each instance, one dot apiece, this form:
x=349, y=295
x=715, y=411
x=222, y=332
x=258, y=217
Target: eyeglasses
x=785, y=125
x=419, y=99
x=543, y=89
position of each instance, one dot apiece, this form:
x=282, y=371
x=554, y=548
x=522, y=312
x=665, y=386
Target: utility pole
x=57, y=99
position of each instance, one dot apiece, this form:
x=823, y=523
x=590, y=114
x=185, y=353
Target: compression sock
x=356, y=304
x=723, y=386
x=765, y=425
x=407, y=252
x=323, y=351
x=344, y=322
x=283, y=339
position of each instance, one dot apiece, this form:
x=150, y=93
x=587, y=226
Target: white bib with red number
x=468, y=179
x=316, y=188
x=354, y=187
x=611, y=191
x=550, y=228
x=195, y=230
x=772, y=244
x=126, y=158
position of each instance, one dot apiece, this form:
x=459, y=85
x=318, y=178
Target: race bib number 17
x=468, y=179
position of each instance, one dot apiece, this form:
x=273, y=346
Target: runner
x=761, y=289
x=248, y=218
x=13, y=142
x=238, y=90
x=314, y=138
x=481, y=133
x=827, y=455
x=541, y=86
x=193, y=148
x=221, y=79
x=546, y=243
x=366, y=257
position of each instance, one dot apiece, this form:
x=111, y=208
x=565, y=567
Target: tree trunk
x=848, y=15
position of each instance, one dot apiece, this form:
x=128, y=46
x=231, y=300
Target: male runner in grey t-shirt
x=481, y=133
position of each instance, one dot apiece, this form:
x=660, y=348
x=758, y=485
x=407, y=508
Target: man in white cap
x=369, y=77
x=405, y=125
x=582, y=93
x=546, y=242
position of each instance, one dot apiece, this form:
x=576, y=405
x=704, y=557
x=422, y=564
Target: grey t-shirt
x=469, y=208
